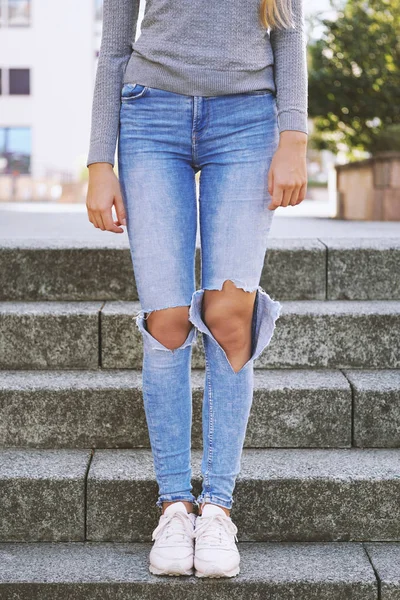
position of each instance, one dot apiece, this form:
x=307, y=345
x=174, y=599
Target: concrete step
x=70, y=270
x=385, y=559
x=376, y=408
x=363, y=269
x=42, y=335
x=316, y=334
x=291, y=408
x=296, y=495
x=104, y=409
x=308, y=334
x=334, y=571
x=295, y=269
x=42, y=494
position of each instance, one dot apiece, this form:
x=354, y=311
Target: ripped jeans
x=165, y=138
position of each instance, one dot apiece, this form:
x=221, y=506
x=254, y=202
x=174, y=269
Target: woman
x=220, y=88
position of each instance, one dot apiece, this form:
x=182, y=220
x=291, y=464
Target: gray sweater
x=201, y=49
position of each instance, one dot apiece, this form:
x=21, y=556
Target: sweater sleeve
x=118, y=32
x=289, y=46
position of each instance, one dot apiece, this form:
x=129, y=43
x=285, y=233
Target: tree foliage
x=354, y=76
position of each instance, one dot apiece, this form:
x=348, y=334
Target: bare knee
x=228, y=314
x=170, y=326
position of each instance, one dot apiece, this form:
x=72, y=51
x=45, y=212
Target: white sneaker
x=216, y=554
x=173, y=550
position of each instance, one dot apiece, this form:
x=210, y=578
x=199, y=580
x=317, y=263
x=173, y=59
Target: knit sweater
x=201, y=48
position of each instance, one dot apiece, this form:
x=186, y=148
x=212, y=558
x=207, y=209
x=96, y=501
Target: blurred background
x=48, y=60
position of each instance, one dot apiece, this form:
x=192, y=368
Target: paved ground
x=72, y=222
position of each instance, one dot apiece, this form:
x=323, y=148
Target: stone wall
x=370, y=189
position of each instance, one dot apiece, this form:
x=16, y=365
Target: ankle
x=226, y=510
x=188, y=505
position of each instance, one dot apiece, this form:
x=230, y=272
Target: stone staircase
x=317, y=503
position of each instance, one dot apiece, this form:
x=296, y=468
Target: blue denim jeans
x=165, y=138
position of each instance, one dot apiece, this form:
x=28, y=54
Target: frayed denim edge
x=155, y=344
x=267, y=311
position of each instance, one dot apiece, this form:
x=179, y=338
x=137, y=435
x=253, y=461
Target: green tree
x=354, y=76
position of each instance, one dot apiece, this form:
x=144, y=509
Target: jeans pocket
x=131, y=91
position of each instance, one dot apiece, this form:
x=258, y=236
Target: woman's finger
x=89, y=214
x=271, y=181
x=295, y=196
x=100, y=220
x=94, y=220
x=120, y=210
x=287, y=194
x=276, y=197
x=108, y=222
x=302, y=193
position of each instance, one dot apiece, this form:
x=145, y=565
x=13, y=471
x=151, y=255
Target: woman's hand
x=287, y=177
x=104, y=192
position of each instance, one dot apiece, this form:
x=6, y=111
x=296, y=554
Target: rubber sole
x=217, y=574
x=173, y=569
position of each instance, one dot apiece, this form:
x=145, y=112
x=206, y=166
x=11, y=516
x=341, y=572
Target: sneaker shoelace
x=176, y=524
x=215, y=528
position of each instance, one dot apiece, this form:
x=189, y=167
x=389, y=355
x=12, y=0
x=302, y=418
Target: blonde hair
x=272, y=15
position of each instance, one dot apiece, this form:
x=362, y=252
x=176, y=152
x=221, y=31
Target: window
x=19, y=81
x=15, y=82
x=15, y=13
x=15, y=150
x=19, y=12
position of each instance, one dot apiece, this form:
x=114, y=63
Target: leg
x=235, y=315
x=228, y=314
x=158, y=188
x=171, y=327
x=167, y=397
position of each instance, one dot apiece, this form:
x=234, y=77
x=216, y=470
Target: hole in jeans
x=247, y=289
x=265, y=313
x=157, y=344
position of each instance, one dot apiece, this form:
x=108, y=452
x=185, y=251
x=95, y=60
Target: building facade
x=48, y=60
